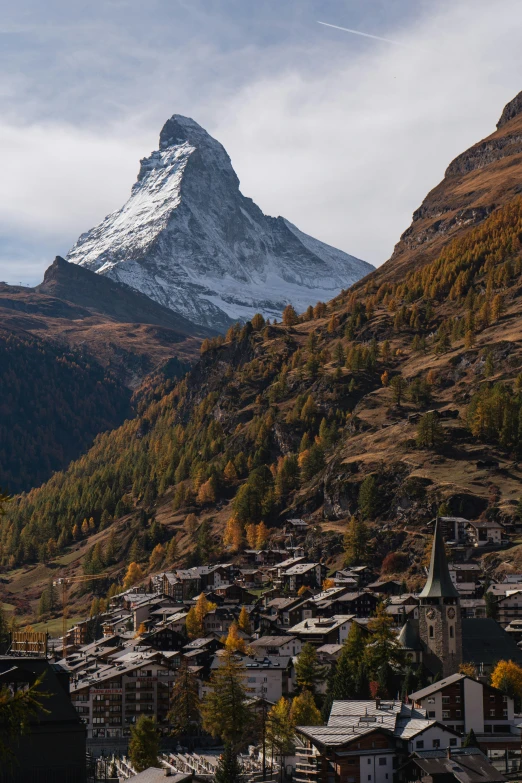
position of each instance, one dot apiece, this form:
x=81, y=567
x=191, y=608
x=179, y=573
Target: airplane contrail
x=358, y=32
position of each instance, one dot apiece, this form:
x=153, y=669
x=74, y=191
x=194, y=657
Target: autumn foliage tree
x=134, y=574
x=507, y=677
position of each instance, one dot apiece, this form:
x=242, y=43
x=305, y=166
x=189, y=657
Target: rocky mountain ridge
x=190, y=240
x=476, y=182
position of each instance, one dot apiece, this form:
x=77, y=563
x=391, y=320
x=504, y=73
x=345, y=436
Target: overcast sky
x=343, y=135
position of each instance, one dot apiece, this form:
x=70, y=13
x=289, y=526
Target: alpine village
x=285, y=546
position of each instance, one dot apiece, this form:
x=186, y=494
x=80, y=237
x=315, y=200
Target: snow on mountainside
x=191, y=241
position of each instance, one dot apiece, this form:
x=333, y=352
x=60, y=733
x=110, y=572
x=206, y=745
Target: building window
x=492, y=713
x=436, y=743
x=504, y=713
x=431, y=714
x=431, y=631
x=369, y=761
x=457, y=713
x=457, y=699
x=445, y=699
x=453, y=742
x=419, y=744
x=452, y=632
x=445, y=714
x=382, y=762
x=491, y=697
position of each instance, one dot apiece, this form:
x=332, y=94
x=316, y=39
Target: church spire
x=439, y=584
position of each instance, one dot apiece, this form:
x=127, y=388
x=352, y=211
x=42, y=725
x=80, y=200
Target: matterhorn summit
x=191, y=241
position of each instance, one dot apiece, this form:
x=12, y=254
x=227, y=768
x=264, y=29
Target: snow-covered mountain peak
x=190, y=240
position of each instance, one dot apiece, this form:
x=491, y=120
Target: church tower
x=440, y=624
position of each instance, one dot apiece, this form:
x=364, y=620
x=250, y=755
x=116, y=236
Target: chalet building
x=473, y=608
x=514, y=629
x=163, y=639
x=343, y=601
x=454, y=529
x=462, y=765
x=464, y=703
x=219, y=620
x=323, y=630
x=329, y=653
x=289, y=611
x=200, y=652
x=360, y=574
x=53, y=749
x=485, y=533
x=110, y=700
x=509, y=606
x=251, y=577
x=295, y=526
x=141, y=610
x=304, y=575
x=465, y=577
x=387, y=587
x=366, y=741
x=184, y=584
x=403, y=607
x=276, y=645
x=268, y=677
x=265, y=557
x=277, y=571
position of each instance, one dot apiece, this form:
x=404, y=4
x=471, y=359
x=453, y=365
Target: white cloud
x=348, y=153
x=344, y=138
x=58, y=179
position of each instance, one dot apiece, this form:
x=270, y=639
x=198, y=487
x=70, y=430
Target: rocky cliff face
x=477, y=182
x=190, y=240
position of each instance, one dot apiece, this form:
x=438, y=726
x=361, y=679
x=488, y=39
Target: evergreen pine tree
x=184, y=703
x=368, y=497
x=470, y=740
x=355, y=542
x=228, y=769
x=224, y=710
x=308, y=670
x=144, y=744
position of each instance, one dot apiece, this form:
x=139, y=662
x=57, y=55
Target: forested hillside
x=291, y=416
x=73, y=351
x=400, y=398
x=52, y=404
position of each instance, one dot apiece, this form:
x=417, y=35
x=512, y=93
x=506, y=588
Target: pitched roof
x=300, y=568
x=157, y=775
x=485, y=641
x=436, y=686
x=340, y=735
x=409, y=638
x=272, y=641
x=439, y=584
x=466, y=765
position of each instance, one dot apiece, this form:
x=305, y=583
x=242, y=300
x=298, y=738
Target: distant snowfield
x=191, y=241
